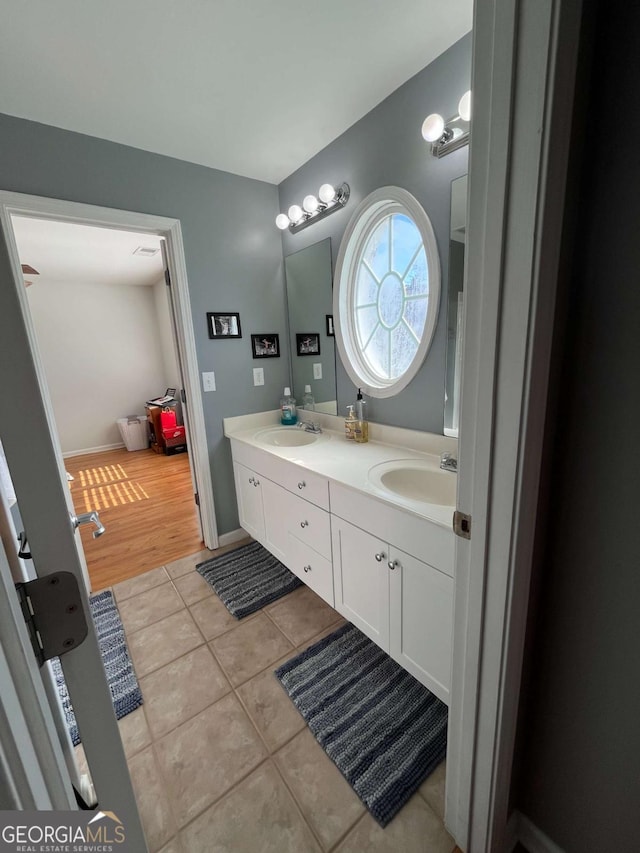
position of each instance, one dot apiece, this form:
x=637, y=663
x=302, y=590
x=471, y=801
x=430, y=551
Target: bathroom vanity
x=368, y=527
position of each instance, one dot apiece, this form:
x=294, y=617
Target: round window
x=388, y=291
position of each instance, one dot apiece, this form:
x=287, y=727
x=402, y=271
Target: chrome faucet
x=448, y=462
x=309, y=426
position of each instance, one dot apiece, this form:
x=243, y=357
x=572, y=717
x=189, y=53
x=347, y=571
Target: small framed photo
x=223, y=324
x=308, y=343
x=265, y=345
x=330, y=330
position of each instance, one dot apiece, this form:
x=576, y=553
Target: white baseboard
x=533, y=838
x=232, y=536
x=87, y=450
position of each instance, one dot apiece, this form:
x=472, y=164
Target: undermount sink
x=287, y=437
x=414, y=480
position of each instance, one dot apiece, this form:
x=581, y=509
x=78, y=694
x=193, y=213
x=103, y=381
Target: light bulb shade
x=295, y=213
x=327, y=193
x=464, y=107
x=433, y=127
x=310, y=203
x=282, y=221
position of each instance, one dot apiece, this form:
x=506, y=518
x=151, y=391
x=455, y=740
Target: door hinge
x=167, y=278
x=462, y=524
x=53, y=612
x=197, y=499
x=183, y=396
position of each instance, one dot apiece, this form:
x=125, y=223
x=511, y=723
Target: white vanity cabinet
x=250, y=504
x=400, y=601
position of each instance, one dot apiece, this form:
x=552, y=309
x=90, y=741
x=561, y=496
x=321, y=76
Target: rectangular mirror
x=310, y=308
x=455, y=305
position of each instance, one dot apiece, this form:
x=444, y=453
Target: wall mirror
x=455, y=305
x=309, y=303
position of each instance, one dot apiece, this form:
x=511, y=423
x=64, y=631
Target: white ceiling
x=254, y=87
x=84, y=254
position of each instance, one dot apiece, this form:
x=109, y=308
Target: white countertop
x=348, y=463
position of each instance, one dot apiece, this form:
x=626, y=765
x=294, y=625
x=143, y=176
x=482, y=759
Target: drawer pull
x=380, y=557
x=251, y=480
x=393, y=564
x=307, y=568
x=304, y=524
x=302, y=485
x=256, y=482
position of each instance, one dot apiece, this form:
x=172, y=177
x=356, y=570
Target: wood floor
x=145, y=501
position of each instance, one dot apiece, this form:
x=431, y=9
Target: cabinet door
x=276, y=501
x=421, y=618
x=311, y=568
x=249, y=494
x=361, y=580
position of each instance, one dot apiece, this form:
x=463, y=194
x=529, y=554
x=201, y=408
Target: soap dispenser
x=362, y=424
x=350, y=424
x=308, y=403
x=288, y=415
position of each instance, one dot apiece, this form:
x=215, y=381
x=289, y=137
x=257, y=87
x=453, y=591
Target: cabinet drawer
x=310, y=567
x=310, y=524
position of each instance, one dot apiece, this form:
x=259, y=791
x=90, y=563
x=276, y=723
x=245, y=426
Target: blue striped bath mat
x=383, y=730
x=125, y=691
x=248, y=578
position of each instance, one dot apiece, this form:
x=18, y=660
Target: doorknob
x=89, y=518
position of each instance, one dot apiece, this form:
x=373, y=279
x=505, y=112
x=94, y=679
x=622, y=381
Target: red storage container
x=167, y=419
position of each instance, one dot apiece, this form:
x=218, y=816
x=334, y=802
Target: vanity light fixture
x=446, y=137
x=314, y=209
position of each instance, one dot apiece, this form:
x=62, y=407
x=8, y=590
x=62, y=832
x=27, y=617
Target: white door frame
x=523, y=93
x=105, y=217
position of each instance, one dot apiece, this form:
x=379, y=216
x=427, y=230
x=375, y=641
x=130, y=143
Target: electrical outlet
x=209, y=381
x=317, y=370
x=258, y=376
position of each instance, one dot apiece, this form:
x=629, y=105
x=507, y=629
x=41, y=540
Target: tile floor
x=219, y=757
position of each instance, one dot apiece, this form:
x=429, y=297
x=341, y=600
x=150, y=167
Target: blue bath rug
x=125, y=691
x=383, y=729
x=248, y=578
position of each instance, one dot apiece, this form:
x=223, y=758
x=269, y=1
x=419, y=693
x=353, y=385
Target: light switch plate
x=209, y=381
x=317, y=370
x=258, y=376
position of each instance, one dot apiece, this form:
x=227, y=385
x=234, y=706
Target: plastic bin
x=134, y=432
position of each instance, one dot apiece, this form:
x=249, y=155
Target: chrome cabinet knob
x=304, y=524
x=307, y=568
x=302, y=485
x=393, y=564
x=380, y=557
x=256, y=482
x=251, y=480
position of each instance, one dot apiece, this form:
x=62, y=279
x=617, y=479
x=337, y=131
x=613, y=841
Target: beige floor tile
x=249, y=648
x=302, y=615
x=149, y=607
x=213, y=618
x=81, y=759
x=182, y=689
x=208, y=754
x=415, y=829
x=432, y=789
x=187, y=564
x=258, y=815
x=153, y=803
x=327, y=800
x=173, y=846
x=134, y=732
x=193, y=587
x=274, y=714
x=140, y=583
x=164, y=641
x=325, y=633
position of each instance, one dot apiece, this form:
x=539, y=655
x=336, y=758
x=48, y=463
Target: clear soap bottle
x=362, y=424
x=350, y=424
x=308, y=403
x=288, y=415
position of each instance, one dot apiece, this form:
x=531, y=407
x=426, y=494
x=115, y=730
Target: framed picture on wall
x=308, y=343
x=223, y=324
x=265, y=345
x=330, y=330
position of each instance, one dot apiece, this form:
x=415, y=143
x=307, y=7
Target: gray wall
x=383, y=148
x=232, y=248
x=579, y=759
